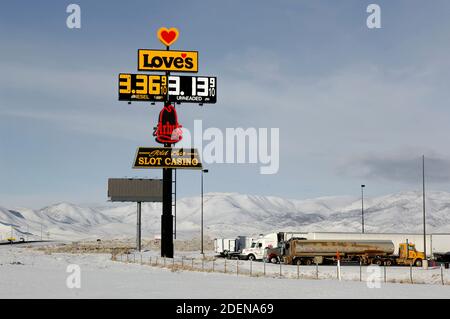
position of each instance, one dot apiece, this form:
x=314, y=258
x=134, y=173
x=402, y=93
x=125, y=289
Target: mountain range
x=232, y=214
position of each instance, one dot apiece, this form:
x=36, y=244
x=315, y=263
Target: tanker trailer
x=301, y=251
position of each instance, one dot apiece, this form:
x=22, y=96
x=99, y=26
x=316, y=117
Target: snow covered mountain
x=231, y=214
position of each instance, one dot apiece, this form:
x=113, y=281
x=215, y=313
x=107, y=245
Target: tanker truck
x=379, y=252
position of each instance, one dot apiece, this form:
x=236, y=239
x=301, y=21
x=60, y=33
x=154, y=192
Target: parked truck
x=231, y=247
x=257, y=249
x=379, y=252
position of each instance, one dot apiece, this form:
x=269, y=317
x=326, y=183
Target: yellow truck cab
x=408, y=255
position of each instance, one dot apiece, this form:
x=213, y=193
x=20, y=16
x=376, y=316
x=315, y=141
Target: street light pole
x=423, y=208
x=362, y=207
x=203, y=171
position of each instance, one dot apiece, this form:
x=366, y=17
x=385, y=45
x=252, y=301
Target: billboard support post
x=138, y=230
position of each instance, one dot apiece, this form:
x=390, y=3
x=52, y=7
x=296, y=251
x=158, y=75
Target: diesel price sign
x=157, y=88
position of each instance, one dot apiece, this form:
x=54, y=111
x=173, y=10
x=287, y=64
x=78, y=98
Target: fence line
x=435, y=275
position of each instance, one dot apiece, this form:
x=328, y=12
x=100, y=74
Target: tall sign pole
x=167, y=217
x=168, y=89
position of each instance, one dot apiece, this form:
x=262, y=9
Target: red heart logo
x=183, y=55
x=168, y=36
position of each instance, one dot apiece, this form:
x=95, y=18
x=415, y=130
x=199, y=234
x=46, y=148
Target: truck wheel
x=388, y=262
x=378, y=262
x=418, y=263
x=308, y=262
x=251, y=257
x=274, y=260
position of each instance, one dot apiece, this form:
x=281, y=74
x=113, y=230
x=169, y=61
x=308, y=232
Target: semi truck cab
x=256, y=250
x=408, y=255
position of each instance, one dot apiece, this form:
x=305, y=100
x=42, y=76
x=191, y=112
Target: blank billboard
x=135, y=190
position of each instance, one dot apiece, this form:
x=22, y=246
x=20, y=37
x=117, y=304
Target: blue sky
x=353, y=105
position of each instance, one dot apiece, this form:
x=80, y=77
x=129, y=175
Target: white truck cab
x=256, y=250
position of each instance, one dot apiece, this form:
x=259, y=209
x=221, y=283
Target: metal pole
x=175, y=206
x=317, y=270
x=362, y=207
x=339, y=270
x=410, y=273
x=166, y=217
x=423, y=202
x=202, y=216
x=138, y=227
x=360, y=270
x=264, y=261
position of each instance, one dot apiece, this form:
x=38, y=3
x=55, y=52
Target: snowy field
x=26, y=273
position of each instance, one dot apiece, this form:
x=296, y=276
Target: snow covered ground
x=26, y=273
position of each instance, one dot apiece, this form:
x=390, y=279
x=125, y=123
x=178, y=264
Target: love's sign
x=164, y=60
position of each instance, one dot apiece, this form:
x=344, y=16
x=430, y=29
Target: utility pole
x=203, y=171
x=138, y=230
x=362, y=207
x=423, y=207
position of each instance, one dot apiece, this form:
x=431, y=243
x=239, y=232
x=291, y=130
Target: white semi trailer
x=227, y=247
